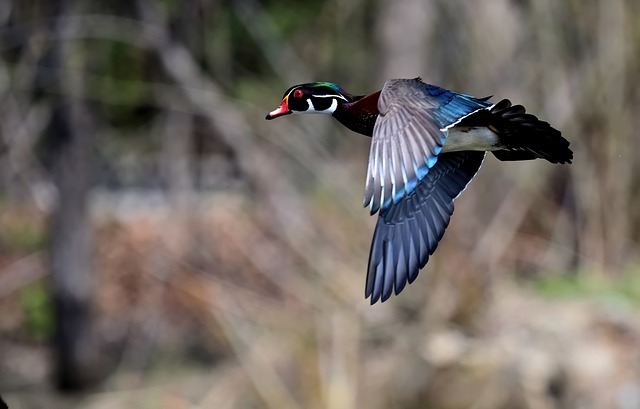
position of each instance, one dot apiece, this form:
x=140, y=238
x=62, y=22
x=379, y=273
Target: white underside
x=471, y=139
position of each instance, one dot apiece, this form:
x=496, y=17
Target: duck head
x=311, y=98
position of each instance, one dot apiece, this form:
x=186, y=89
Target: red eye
x=297, y=93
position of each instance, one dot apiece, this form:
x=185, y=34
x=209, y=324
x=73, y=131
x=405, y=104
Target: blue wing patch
x=451, y=106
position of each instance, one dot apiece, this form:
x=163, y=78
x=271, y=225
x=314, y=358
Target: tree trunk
x=402, y=31
x=70, y=142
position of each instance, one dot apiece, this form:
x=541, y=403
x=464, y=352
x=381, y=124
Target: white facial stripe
x=332, y=108
x=331, y=96
x=312, y=110
x=342, y=97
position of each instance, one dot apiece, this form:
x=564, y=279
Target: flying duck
x=427, y=144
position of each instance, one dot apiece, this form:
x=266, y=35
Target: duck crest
x=336, y=88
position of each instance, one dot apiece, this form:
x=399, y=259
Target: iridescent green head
x=313, y=97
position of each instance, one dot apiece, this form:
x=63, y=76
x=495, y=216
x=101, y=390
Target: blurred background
x=163, y=246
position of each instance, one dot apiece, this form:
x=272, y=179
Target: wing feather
x=408, y=136
x=408, y=232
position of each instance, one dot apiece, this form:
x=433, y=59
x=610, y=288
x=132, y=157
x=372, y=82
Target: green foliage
x=29, y=238
x=123, y=83
x=623, y=291
x=36, y=302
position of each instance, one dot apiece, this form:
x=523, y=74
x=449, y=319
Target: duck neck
x=359, y=114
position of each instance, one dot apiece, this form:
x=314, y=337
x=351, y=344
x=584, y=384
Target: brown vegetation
x=225, y=256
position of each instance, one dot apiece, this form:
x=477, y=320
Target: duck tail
x=525, y=137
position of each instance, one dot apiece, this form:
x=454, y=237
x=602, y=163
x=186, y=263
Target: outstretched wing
x=408, y=136
x=408, y=232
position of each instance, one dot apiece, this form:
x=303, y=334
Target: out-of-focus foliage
x=36, y=303
x=623, y=289
x=229, y=253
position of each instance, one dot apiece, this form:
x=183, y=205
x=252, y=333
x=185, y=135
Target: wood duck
x=427, y=144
